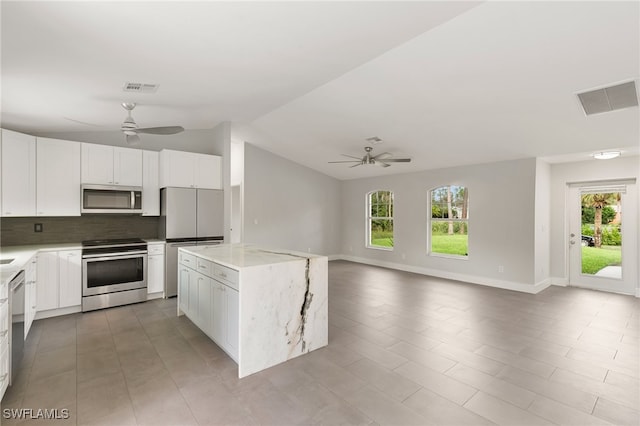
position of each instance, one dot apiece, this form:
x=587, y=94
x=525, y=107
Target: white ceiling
x=446, y=83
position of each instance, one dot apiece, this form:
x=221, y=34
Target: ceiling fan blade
x=346, y=161
x=132, y=139
x=355, y=165
x=351, y=156
x=167, y=130
x=382, y=156
x=397, y=160
x=381, y=164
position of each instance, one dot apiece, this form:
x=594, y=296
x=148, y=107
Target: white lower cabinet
x=30, y=294
x=210, y=303
x=69, y=278
x=183, y=290
x=59, y=279
x=47, y=281
x=4, y=338
x=155, y=268
x=204, y=288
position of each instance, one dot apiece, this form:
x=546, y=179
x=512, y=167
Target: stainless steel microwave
x=111, y=199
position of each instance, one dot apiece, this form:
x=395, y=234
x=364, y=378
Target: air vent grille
x=140, y=87
x=609, y=98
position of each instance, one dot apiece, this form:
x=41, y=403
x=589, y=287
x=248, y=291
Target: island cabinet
x=261, y=306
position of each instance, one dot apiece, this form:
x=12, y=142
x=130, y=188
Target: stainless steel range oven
x=114, y=272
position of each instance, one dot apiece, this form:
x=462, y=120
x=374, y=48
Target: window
x=380, y=220
x=449, y=221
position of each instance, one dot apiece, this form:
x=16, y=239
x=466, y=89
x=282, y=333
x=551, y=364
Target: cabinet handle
x=33, y=307
x=202, y=267
x=3, y=300
x=4, y=333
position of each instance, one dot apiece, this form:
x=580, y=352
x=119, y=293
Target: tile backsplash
x=20, y=230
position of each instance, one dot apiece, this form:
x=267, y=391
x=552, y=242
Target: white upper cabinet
x=57, y=177
x=190, y=170
x=18, y=174
x=150, y=183
x=109, y=165
x=127, y=166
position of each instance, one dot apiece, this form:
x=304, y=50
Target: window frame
x=369, y=218
x=431, y=219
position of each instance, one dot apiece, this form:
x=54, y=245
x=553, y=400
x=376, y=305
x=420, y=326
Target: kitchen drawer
x=188, y=260
x=205, y=267
x=226, y=275
x=155, y=249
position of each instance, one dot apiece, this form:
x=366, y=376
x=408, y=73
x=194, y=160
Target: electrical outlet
x=500, y=268
x=37, y=227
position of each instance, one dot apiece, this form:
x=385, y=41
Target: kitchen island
x=261, y=306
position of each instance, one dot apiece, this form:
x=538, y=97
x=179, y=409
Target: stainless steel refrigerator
x=188, y=217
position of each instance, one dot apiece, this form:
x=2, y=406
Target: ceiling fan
x=379, y=160
x=131, y=129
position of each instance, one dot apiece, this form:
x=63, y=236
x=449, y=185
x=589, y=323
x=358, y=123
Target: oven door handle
x=99, y=257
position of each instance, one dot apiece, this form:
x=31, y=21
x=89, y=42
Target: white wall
x=542, y=222
x=584, y=171
x=287, y=205
x=501, y=223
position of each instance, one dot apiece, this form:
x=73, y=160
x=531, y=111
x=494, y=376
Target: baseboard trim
x=58, y=312
x=559, y=281
x=472, y=279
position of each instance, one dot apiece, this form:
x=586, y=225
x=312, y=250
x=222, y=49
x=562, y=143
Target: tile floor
x=404, y=349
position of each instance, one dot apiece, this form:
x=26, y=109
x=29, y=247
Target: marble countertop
x=238, y=256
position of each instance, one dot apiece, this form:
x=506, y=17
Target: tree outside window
x=449, y=221
x=380, y=220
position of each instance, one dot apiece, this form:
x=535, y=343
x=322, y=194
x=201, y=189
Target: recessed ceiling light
x=605, y=155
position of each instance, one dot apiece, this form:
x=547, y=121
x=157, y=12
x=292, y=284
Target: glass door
x=603, y=237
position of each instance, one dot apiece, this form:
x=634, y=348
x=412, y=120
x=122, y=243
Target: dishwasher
x=16, y=313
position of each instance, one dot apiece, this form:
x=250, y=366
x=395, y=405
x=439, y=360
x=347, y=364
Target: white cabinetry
x=190, y=170
x=47, y=281
x=57, y=177
x=30, y=294
x=150, y=183
x=5, y=323
x=69, y=278
x=59, y=279
x=208, y=295
x=109, y=165
x=18, y=174
x=155, y=269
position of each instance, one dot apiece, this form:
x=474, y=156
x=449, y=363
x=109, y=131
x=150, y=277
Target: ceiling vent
x=609, y=98
x=140, y=87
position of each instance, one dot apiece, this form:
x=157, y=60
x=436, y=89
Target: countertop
x=22, y=255
x=238, y=256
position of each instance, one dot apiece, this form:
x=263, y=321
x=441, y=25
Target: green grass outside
x=450, y=244
x=594, y=259
x=382, y=239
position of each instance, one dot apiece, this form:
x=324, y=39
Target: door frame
x=628, y=283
